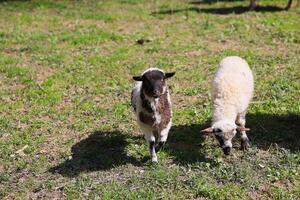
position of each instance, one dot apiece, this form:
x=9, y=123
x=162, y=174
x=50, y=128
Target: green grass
x=66, y=126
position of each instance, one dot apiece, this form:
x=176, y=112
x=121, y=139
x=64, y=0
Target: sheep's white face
x=224, y=132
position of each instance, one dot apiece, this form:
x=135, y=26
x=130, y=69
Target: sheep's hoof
x=245, y=145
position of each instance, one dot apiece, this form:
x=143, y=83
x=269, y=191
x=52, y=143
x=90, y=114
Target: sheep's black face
x=224, y=131
x=154, y=84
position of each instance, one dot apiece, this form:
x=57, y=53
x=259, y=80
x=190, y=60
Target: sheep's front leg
x=151, y=139
x=241, y=121
x=159, y=146
x=153, y=152
x=160, y=142
x=163, y=137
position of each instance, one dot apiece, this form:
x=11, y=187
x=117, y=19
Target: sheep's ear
x=169, y=75
x=137, y=78
x=242, y=129
x=207, y=130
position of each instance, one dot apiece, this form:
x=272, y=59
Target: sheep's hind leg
x=241, y=121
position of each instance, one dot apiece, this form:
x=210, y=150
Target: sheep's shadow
x=280, y=130
x=218, y=11
x=99, y=151
x=107, y=150
x=185, y=142
x=267, y=130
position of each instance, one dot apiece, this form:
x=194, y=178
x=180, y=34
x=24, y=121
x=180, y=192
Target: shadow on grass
x=19, y=1
x=267, y=130
x=106, y=150
x=100, y=151
x=211, y=1
x=184, y=144
x=220, y=11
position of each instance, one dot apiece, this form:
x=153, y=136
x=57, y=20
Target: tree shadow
x=20, y=1
x=219, y=11
x=280, y=130
x=100, y=151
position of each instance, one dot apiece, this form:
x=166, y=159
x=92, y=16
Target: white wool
x=232, y=90
x=135, y=99
x=152, y=69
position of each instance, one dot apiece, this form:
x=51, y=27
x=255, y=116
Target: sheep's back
x=233, y=83
x=135, y=93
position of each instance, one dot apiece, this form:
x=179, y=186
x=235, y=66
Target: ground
x=66, y=126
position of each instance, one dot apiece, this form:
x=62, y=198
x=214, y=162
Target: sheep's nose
x=156, y=92
x=226, y=150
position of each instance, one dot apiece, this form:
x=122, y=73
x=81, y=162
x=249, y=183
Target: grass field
x=66, y=126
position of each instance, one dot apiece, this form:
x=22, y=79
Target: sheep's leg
x=159, y=146
x=241, y=121
x=151, y=139
x=152, y=151
x=288, y=6
x=158, y=143
x=252, y=5
x=163, y=137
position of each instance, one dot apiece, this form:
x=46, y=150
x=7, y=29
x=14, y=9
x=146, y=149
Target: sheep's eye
x=220, y=139
x=217, y=130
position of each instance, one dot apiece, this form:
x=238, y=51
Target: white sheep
x=151, y=102
x=232, y=90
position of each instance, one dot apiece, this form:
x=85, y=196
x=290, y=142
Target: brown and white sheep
x=151, y=102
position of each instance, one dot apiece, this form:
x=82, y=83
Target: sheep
x=253, y=4
x=232, y=90
x=151, y=103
